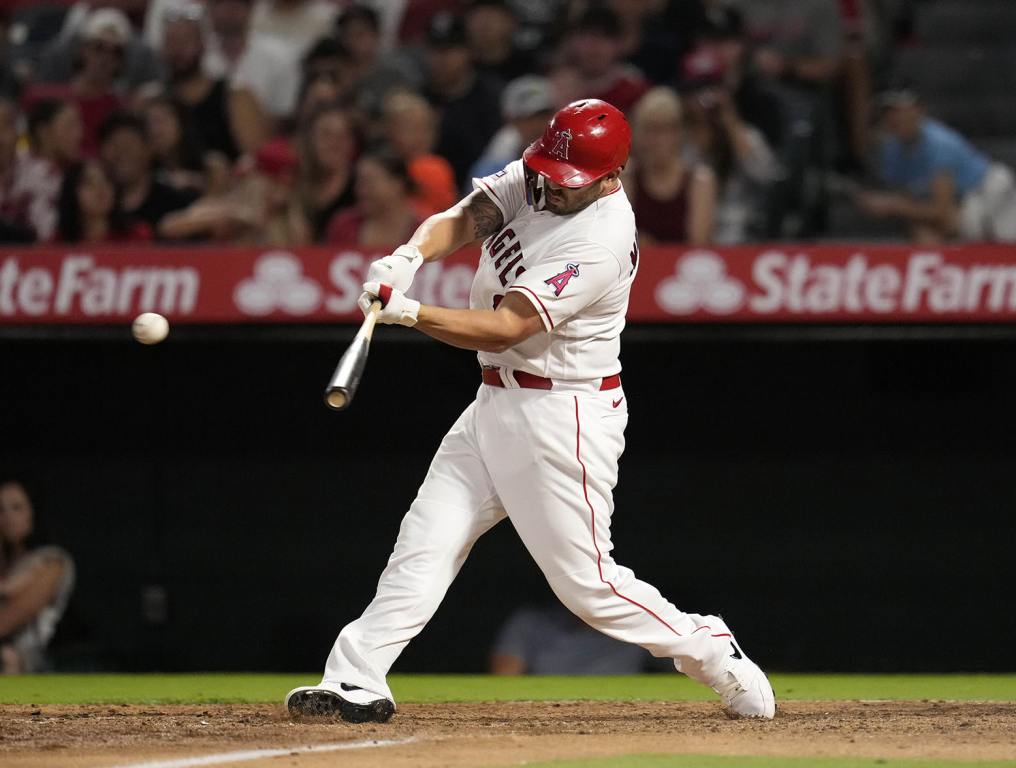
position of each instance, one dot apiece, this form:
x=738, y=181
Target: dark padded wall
x=845, y=504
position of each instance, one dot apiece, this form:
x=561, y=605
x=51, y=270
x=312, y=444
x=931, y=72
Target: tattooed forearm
x=487, y=219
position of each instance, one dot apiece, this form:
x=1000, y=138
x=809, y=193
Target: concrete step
x=958, y=71
x=966, y=22
x=976, y=116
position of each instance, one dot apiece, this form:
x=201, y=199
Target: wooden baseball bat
x=346, y=379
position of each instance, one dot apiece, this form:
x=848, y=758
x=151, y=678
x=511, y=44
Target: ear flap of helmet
x=534, y=189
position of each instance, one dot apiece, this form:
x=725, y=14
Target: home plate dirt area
x=496, y=734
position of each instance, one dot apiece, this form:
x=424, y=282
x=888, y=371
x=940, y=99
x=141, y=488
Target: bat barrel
x=346, y=380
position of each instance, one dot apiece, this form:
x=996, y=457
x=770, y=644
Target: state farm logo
x=278, y=284
x=836, y=283
x=79, y=285
x=701, y=282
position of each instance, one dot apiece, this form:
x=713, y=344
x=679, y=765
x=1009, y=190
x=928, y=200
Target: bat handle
x=367, y=329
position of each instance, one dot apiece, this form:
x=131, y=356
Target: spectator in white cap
x=527, y=103
x=99, y=63
x=138, y=65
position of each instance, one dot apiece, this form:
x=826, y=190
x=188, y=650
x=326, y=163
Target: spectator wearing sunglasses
x=99, y=63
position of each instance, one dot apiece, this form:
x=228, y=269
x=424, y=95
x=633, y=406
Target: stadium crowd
x=287, y=122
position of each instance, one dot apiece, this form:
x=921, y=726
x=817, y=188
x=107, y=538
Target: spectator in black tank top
x=674, y=197
x=227, y=119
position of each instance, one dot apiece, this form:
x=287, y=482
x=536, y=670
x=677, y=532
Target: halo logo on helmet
x=561, y=145
x=582, y=143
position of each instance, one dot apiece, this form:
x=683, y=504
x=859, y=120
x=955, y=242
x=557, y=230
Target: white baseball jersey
x=577, y=271
x=547, y=460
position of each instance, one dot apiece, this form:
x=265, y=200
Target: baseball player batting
x=541, y=442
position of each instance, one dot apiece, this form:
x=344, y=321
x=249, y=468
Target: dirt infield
x=502, y=734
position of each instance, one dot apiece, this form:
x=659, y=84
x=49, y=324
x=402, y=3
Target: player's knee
x=583, y=593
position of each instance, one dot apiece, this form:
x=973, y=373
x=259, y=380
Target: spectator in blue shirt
x=942, y=186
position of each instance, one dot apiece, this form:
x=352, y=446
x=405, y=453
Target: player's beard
x=564, y=204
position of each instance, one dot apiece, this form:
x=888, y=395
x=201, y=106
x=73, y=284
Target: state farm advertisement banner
x=756, y=284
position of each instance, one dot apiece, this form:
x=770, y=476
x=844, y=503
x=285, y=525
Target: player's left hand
x=397, y=269
x=397, y=308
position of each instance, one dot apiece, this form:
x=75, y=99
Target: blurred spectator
x=258, y=63
x=548, y=639
x=797, y=48
x=540, y=23
x=490, y=30
x=316, y=92
x=14, y=224
x=60, y=58
x=142, y=198
x=410, y=126
x=268, y=193
x=327, y=146
x=673, y=195
x=328, y=59
x=527, y=104
x=944, y=186
x=54, y=133
x=261, y=209
x=36, y=581
x=798, y=42
x=721, y=31
x=594, y=49
x=177, y=152
x=737, y=152
x=228, y=119
x=467, y=100
x=414, y=17
x=372, y=76
x=295, y=24
x=89, y=212
x=99, y=63
x=653, y=35
x=384, y=214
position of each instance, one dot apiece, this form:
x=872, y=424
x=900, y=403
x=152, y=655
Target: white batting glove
x=396, y=270
x=396, y=308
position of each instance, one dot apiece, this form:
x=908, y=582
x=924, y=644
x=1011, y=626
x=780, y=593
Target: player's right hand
x=396, y=307
x=396, y=270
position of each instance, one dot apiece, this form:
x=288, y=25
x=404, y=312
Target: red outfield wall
x=764, y=283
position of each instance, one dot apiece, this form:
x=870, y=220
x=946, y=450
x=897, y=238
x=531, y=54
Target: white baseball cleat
x=744, y=687
x=352, y=703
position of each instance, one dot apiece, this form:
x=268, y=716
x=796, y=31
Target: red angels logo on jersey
x=561, y=143
x=560, y=281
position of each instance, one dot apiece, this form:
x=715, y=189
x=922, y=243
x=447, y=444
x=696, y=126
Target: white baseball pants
x=548, y=461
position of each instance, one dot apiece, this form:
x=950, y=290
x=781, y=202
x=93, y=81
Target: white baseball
x=150, y=328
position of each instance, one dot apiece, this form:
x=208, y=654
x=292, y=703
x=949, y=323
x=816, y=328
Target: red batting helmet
x=583, y=142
